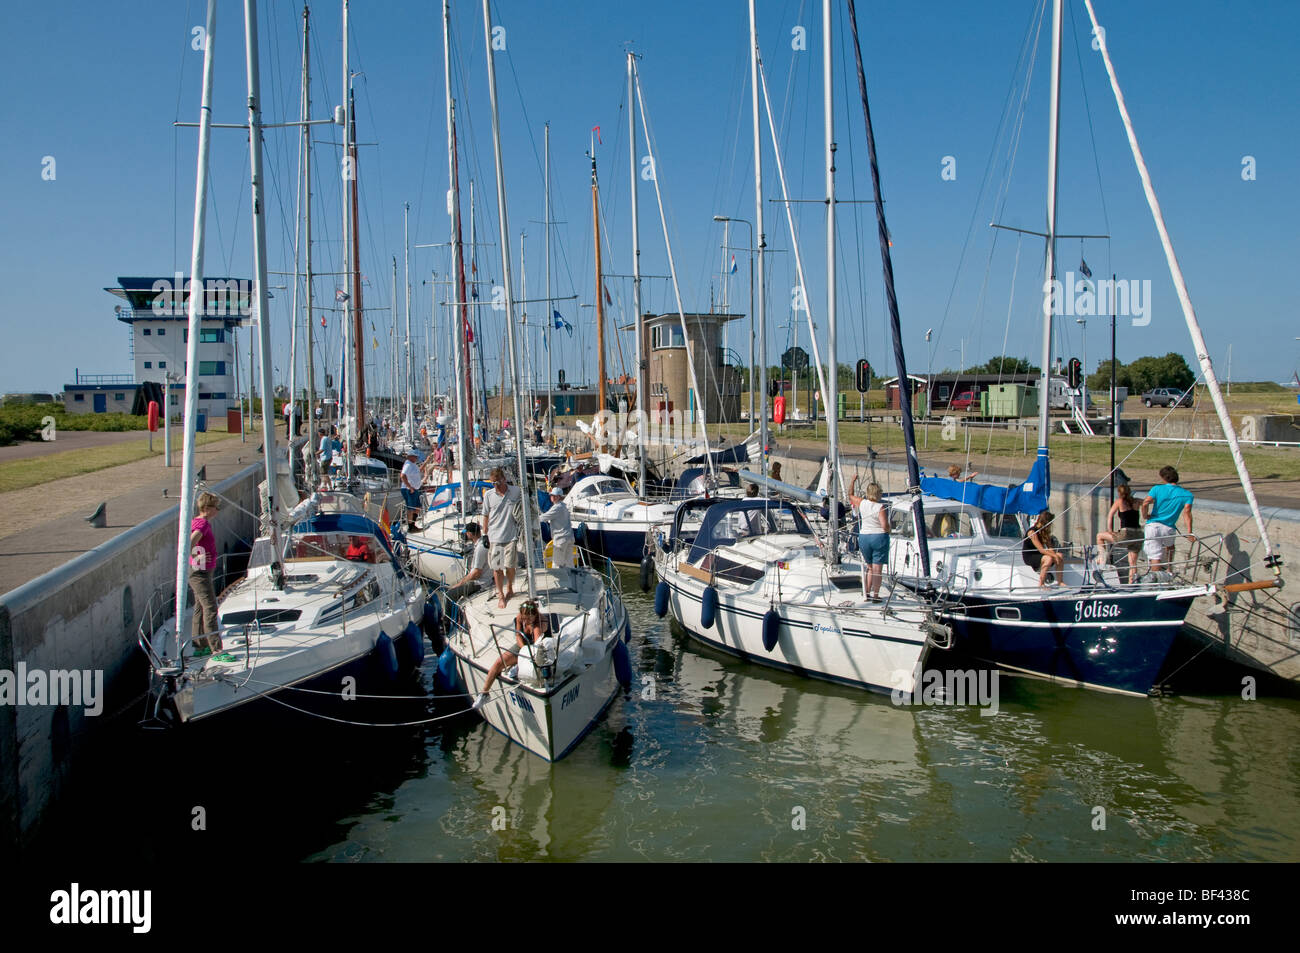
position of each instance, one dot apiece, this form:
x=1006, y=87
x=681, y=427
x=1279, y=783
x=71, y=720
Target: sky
x=100, y=184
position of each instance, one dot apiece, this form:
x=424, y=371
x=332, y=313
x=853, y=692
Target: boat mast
x=410, y=372
x=197, y=302
x=886, y=261
x=762, y=243
x=642, y=418
x=1272, y=560
x=259, y=266
x=1049, y=269
x=832, y=404
x=700, y=409
x=310, y=413
x=357, y=335
x=601, y=399
x=527, y=532
x=550, y=307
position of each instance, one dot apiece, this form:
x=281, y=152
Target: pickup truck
x=1167, y=397
x=964, y=401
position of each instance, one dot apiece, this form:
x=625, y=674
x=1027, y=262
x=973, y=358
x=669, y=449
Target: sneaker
x=479, y=702
x=201, y=652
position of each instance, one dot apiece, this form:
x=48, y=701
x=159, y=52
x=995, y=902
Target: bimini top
x=727, y=521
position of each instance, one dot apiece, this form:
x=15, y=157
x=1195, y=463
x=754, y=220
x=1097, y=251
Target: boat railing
x=1203, y=555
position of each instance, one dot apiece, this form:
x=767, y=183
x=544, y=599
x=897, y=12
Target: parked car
x=965, y=400
x=1167, y=397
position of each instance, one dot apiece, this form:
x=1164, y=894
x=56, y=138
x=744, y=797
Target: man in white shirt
x=411, y=483
x=561, y=530
x=502, y=530
x=476, y=578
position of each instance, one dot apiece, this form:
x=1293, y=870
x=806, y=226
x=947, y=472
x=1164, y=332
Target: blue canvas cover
x=1029, y=497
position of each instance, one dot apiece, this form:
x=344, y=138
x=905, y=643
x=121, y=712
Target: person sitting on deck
x=1039, y=549
x=530, y=628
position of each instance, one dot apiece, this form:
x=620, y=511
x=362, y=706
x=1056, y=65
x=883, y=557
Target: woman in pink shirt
x=205, y=638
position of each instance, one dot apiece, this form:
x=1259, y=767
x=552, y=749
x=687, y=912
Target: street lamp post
x=750, y=375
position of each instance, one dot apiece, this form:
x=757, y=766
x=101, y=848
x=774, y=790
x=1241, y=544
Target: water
x=727, y=762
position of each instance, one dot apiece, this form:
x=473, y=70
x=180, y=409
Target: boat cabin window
x=1002, y=526
x=318, y=546
x=604, y=487
x=949, y=524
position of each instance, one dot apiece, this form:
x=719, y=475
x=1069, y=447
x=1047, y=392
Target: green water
x=724, y=760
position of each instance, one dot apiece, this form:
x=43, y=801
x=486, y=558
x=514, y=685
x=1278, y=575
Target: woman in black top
x=1039, y=548
x=1130, y=525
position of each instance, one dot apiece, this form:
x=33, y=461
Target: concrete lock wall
x=85, y=615
x=1259, y=629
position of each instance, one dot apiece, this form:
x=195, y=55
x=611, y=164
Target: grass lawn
x=33, y=471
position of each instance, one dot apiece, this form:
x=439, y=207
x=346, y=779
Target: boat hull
x=869, y=649
x=1115, y=643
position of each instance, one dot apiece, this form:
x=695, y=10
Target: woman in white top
x=873, y=535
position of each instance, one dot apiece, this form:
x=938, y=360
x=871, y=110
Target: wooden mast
x=357, y=340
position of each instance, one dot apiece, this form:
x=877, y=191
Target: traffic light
x=773, y=388
x=1075, y=374
x=863, y=378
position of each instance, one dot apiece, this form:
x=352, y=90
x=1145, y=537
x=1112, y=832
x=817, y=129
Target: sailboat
x=323, y=592
x=562, y=684
x=750, y=577
x=1091, y=630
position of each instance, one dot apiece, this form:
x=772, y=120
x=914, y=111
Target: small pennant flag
x=376, y=342
x=340, y=294
x=733, y=264
x=385, y=521
x=608, y=299
x=322, y=320
x=1084, y=269
x=561, y=323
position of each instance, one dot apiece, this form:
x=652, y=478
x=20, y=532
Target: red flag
x=608, y=299
x=322, y=320
x=469, y=332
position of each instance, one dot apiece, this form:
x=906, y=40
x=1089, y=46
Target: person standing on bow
x=499, y=502
x=873, y=535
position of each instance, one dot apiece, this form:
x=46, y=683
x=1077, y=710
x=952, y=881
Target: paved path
x=75, y=440
x=42, y=527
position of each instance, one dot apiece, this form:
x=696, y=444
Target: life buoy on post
x=778, y=408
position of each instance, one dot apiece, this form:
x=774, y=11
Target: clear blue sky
x=97, y=87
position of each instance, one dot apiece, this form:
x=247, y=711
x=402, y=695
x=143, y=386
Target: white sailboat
x=562, y=684
x=750, y=577
x=323, y=590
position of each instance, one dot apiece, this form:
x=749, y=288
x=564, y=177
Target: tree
x=1144, y=374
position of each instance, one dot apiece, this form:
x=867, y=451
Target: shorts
x=1159, y=537
x=1132, y=536
x=411, y=498
x=874, y=548
x=503, y=556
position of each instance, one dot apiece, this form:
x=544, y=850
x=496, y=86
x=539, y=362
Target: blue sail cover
x=1029, y=497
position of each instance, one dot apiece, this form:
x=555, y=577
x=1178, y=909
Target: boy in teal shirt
x=1161, y=509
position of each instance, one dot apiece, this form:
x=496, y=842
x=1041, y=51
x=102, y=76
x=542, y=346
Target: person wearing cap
x=561, y=522
x=476, y=578
x=411, y=483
